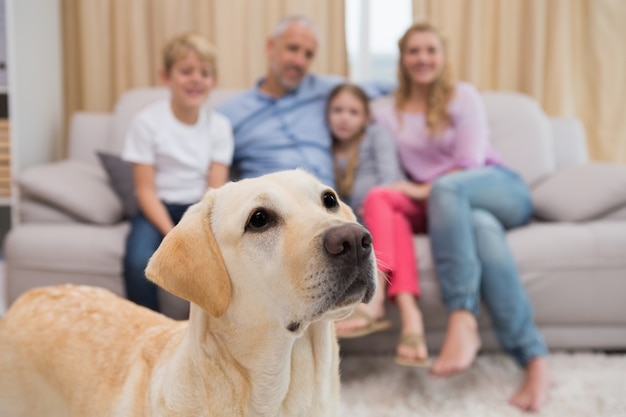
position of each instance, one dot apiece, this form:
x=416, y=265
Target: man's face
x=290, y=55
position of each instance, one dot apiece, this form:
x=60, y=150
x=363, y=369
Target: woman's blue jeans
x=468, y=214
x=142, y=241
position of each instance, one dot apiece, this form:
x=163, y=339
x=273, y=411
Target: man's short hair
x=300, y=19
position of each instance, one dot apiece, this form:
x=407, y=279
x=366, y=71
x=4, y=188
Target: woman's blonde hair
x=438, y=118
x=344, y=177
x=181, y=44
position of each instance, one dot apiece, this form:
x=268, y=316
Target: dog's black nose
x=348, y=240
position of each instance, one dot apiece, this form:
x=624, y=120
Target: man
x=280, y=123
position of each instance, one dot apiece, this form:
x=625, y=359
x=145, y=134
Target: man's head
x=290, y=51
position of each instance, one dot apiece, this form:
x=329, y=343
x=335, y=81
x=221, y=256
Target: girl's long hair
x=344, y=177
x=438, y=118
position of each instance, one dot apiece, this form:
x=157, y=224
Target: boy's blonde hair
x=181, y=44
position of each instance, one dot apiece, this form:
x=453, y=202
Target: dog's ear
x=189, y=263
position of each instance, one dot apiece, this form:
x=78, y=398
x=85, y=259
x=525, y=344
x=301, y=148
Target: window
x=373, y=28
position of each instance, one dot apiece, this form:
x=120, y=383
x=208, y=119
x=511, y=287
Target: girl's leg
x=392, y=218
x=141, y=243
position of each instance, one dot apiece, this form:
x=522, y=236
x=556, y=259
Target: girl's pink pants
x=392, y=219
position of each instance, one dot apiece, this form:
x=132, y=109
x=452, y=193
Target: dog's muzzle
x=349, y=248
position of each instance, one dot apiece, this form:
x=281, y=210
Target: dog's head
x=282, y=245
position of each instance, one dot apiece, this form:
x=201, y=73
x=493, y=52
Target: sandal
x=372, y=325
x=413, y=341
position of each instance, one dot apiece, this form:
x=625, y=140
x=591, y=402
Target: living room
x=550, y=74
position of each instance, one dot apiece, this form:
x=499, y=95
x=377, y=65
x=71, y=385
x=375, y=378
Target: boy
x=177, y=148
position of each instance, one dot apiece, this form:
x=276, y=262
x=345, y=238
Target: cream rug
x=585, y=385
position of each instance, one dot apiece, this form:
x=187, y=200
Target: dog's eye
x=259, y=220
x=329, y=199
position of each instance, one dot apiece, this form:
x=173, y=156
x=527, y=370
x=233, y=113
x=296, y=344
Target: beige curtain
x=111, y=46
x=568, y=54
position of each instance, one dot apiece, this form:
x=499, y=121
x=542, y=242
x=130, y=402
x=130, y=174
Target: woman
x=472, y=198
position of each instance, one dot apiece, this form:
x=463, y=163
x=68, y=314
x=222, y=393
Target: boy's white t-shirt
x=180, y=153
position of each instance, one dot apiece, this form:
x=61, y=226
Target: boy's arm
x=218, y=175
x=149, y=203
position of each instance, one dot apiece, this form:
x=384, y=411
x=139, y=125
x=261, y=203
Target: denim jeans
x=142, y=241
x=469, y=212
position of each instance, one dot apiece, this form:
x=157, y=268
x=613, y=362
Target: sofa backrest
x=520, y=130
x=134, y=100
x=521, y=133
x=128, y=105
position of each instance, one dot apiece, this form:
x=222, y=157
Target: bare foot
x=357, y=322
x=533, y=393
x=414, y=348
x=460, y=345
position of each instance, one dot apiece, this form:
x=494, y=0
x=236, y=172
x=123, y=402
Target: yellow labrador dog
x=268, y=264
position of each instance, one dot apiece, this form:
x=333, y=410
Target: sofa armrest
x=88, y=133
x=34, y=211
x=570, y=142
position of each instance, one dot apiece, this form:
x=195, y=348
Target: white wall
x=35, y=81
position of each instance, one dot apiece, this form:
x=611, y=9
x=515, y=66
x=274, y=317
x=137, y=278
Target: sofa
x=572, y=257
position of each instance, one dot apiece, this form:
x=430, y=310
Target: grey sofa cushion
x=77, y=188
x=120, y=175
x=582, y=192
x=34, y=211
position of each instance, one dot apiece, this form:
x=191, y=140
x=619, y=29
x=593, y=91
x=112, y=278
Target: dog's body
x=268, y=264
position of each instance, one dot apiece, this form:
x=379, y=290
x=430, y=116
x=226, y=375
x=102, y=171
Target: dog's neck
x=271, y=365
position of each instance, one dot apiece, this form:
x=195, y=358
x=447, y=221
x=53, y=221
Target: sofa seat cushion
x=564, y=267
x=589, y=246
x=75, y=248
x=567, y=267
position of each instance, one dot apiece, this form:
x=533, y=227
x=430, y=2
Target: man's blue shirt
x=274, y=134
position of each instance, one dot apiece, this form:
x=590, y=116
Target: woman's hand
x=415, y=191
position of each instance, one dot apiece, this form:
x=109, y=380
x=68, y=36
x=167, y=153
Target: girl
x=364, y=157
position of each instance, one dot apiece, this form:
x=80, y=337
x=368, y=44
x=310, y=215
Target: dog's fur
x=268, y=264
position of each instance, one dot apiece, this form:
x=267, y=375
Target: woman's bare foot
x=374, y=310
x=412, y=349
x=460, y=346
x=533, y=393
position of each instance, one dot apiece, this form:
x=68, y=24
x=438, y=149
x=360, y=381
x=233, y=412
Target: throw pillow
x=120, y=175
x=582, y=192
x=79, y=189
